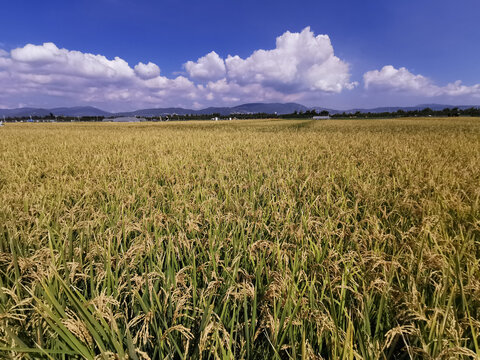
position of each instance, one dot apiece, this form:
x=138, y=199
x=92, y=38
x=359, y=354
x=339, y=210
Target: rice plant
x=276, y=239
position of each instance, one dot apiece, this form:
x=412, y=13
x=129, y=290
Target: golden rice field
x=354, y=239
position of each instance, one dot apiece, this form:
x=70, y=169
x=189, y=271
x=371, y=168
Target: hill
x=250, y=108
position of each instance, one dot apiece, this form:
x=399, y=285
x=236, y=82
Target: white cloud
x=208, y=67
x=457, y=89
x=147, y=71
x=36, y=53
x=401, y=80
x=48, y=59
x=230, y=92
x=397, y=79
x=299, y=62
x=301, y=66
x=45, y=74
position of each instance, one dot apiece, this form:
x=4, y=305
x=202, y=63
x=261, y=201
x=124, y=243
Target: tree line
x=427, y=112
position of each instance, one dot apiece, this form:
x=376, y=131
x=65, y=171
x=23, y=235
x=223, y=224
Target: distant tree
x=446, y=112
x=426, y=112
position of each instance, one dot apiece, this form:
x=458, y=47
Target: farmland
x=241, y=239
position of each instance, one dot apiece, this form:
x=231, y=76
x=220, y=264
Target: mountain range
x=251, y=108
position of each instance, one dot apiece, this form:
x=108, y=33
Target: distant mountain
x=251, y=108
x=79, y=111
x=156, y=112
x=61, y=111
x=279, y=108
x=331, y=111
x=22, y=112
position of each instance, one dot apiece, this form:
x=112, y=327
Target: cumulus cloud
x=147, y=71
x=35, y=53
x=402, y=80
x=49, y=59
x=39, y=74
x=209, y=67
x=300, y=66
x=397, y=79
x=299, y=62
x=458, y=89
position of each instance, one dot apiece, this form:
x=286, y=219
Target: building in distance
x=125, y=119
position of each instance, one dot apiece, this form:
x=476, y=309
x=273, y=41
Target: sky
x=130, y=54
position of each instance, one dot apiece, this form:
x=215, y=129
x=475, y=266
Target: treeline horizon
x=427, y=112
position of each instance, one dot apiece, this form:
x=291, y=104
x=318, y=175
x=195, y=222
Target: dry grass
x=243, y=239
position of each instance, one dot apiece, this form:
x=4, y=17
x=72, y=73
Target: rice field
x=272, y=239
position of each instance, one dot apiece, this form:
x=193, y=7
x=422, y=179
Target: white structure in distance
x=125, y=119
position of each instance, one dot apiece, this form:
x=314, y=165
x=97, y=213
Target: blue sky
x=377, y=52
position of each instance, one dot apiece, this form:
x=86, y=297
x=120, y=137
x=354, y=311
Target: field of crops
x=241, y=239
